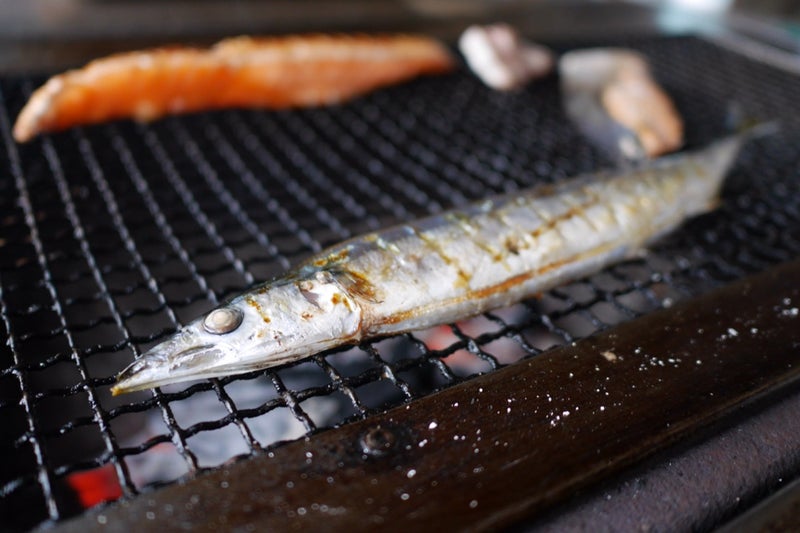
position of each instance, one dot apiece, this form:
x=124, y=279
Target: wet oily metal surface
x=508, y=444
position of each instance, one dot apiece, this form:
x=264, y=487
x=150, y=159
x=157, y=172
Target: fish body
x=267, y=73
x=442, y=268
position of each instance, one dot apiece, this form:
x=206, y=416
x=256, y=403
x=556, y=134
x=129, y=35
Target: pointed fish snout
x=167, y=363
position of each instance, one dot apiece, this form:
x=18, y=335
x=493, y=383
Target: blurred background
x=41, y=35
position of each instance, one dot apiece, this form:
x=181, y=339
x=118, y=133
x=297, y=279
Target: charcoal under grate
x=113, y=235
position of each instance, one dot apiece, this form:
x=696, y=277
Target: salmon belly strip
x=271, y=73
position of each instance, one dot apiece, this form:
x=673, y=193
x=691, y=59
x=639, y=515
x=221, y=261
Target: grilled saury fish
x=441, y=269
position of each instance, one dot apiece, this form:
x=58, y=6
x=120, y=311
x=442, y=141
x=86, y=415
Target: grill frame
x=179, y=154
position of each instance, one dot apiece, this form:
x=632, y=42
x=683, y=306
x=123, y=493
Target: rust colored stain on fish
x=337, y=257
x=514, y=244
x=358, y=285
x=573, y=211
x=462, y=280
x=433, y=244
x=337, y=299
x=252, y=302
x=502, y=287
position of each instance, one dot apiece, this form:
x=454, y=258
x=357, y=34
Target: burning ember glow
x=95, y=486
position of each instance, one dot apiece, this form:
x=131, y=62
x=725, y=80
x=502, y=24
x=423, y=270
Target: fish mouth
x=166, y=363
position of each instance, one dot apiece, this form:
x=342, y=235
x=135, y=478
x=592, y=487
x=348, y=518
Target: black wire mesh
x=113, y=235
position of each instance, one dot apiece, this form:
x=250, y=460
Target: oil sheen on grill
x=441, y=269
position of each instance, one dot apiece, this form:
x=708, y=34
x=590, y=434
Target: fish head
x=265, y=327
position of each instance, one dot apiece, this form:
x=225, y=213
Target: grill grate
x=112, y=236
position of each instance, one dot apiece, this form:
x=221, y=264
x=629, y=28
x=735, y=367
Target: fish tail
x=723, y=152
x=756, y=130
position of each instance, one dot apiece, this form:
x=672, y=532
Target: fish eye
x=222, y=320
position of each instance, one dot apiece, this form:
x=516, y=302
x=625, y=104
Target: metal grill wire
x=111, y=236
